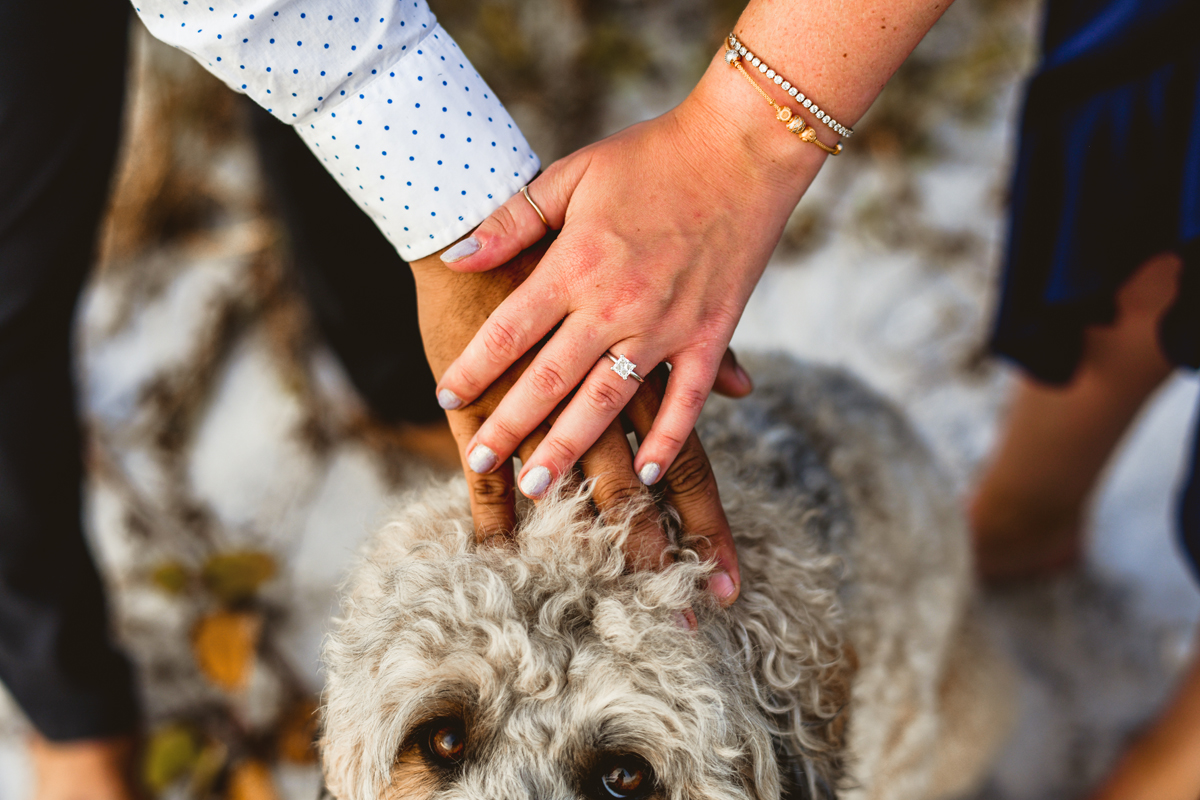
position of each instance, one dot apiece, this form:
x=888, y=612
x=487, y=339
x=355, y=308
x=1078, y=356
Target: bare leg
x=1027, y=510
x=94, y=769
x=1164, y=762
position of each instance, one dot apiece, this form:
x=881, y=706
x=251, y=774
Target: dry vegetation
x=199, y=599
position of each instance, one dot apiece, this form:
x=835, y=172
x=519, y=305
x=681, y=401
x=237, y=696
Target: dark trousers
x=62, y=81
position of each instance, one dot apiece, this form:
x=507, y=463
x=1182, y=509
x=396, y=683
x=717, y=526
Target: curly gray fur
x=551, y=655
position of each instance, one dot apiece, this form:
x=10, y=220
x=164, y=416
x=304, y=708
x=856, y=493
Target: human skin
x=1026, y=515
x=1027, y=511
x=91, y=769
x=1164, y=761
x=660, y=268
x=452, y=306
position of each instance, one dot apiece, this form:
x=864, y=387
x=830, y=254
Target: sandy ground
x=898, y=287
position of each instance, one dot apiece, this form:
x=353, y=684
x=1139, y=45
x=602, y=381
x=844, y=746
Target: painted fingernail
x=481, y=459
x=467, y=247
x=536, y=482
x=449, y=400
x=721, y=585
x=649, y=473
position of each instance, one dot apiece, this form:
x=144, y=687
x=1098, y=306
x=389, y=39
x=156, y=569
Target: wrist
x=740, y=128
x=427, y=268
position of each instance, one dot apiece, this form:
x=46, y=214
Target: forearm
x=840, y=53
x=381, y=94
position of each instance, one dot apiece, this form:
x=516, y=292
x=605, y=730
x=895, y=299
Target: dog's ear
x=787, y=665
x=794, y=782
x=331, y=788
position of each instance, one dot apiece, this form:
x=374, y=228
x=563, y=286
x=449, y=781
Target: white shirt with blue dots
x=380, y=94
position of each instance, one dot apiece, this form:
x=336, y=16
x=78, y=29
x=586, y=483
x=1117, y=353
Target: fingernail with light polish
x=481, y=459
x=449, y=400
x=721, y=585
x=649, y=473
x=536, y=482
x=467, y=247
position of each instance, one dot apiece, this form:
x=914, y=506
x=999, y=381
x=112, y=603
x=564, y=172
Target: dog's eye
x=447, y=742
x=625, y=777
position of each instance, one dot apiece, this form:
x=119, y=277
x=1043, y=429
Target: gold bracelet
x=785, y=85
x=794, y=124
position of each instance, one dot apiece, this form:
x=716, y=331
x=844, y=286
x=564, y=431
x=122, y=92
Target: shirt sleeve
x=380, y=94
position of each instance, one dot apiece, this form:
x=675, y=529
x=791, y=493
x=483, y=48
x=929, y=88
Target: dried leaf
x=171, y=753
x=171, y=577
x=234, y=577
x=297, y=742
x=251, y=780
x=224, y=644
x=207, y=769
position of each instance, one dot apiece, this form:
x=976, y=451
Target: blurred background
x=234, y=472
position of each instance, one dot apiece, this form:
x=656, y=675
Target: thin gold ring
x=525, y=191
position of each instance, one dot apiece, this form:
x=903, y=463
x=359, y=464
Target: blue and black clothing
x=1107, y=175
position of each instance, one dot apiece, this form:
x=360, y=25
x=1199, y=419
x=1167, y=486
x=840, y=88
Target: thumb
x=517, y=225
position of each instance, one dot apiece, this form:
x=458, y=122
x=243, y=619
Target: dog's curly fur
x=848, y=666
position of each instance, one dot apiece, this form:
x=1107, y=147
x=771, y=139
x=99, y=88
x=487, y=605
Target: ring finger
x=600, y=398
x=549, y=380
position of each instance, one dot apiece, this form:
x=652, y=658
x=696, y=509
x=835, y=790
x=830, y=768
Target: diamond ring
x=623, y=367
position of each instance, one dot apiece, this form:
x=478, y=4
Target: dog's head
x=541, y=670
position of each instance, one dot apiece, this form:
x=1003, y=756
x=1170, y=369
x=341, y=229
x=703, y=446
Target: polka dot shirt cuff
x=381, y=94
x=426, y=149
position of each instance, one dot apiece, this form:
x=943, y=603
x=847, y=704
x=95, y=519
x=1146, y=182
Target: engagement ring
x=623, y=367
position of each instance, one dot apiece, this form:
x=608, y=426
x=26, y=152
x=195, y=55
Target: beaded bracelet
x=807, y=133
x=738, y=49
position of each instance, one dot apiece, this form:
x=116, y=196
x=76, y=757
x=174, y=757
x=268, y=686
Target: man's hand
x=452, y=307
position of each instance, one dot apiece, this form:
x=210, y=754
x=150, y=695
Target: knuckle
x=504, y=221
x=612, y=493
x=691, y=474
x=503, y=432
x=690, y=399
x=546, y=380
x=605, y=396
x=502, y=339
x=673, y=441
x=491, y=490
x=561, y=453
x=631, y=292
x=468, y=380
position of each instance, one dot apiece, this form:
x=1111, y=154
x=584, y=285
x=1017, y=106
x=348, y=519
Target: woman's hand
x=666, y=228
x=452, y=306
